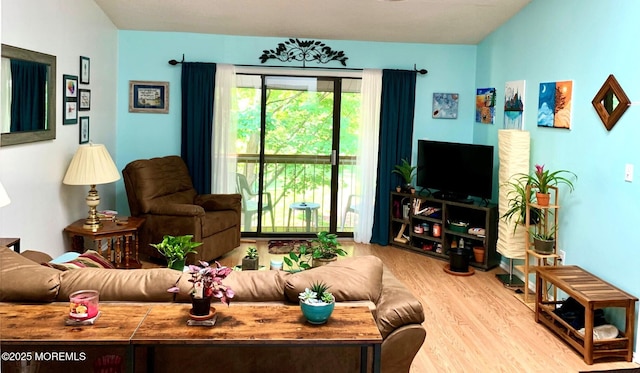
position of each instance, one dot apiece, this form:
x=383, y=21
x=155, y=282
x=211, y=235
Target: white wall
x=41, y=206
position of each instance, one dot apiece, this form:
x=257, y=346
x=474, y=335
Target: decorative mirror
x=28, y=110
x=610, y=102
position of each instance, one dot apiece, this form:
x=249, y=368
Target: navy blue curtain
x=396, y=132
x=198, y=87
x=28, y=95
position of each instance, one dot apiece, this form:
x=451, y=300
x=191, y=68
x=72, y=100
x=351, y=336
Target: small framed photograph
x=148, y=97
x=85, y=99
x=70, y=87
x=84, y=130
x=70, y=112
x=85, y=70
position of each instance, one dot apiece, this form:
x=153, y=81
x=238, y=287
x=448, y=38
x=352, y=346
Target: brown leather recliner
x=161, y=191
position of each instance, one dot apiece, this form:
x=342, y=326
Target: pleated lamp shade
x=91, y=165
x=4, y=197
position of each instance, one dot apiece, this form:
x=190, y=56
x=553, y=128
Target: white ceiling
x=412, y=21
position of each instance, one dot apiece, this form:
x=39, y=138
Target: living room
x=583, y=41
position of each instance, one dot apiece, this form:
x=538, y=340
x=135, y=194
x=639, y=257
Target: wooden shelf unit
x=532, y=258
x=477, y=216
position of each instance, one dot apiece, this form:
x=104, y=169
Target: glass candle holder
x=83, y=304
x=276, y=264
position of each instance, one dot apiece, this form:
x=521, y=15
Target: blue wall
x=145, y=56
x=583, y=41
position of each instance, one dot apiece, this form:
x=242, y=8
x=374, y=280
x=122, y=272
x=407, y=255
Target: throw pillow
x=89, y=259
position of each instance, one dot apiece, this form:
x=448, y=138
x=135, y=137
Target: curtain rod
x=420, y=71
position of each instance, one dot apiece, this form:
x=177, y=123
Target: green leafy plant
x=298, y=261
x=252, y=253
x=405, y=170
x=317, y=293
x=176, y=248
x=517, y=197
x=542, y=179
x=326, y=246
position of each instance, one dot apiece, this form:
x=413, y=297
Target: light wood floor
x=474, y=324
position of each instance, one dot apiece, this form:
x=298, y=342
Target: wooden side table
x=11, y=242
x=120, y=237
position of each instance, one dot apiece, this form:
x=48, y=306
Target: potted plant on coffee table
x=325, y=249
x=175, y=249
x=317, y=303
x=207, y=284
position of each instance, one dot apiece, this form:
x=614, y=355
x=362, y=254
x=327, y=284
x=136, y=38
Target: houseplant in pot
x=542, y=179
x=250, y=260
x=325, y=248
x=406, y=172
x=317, y=303
x=176, y=249
x=544, y=242
x=517, y=202
x=207, y=284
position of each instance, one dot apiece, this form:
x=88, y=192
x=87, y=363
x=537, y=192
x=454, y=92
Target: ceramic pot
x=178, y=265
x=543, y=198
x=322, y=261
x=200, y=306
x=317, y=313
x=478, y=254
x=249, y=264
x=543, y=246
x=459, y=260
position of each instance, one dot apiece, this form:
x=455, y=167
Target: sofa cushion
x=357, y=278
x=23, y=280
x=257, y=286
x=89, y=259
x=135, y=285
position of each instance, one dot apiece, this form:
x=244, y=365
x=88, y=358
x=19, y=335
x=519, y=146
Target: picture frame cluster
x=76, y=99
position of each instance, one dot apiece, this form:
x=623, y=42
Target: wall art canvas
x=554, y=104
x=445, y=105
x=485, y=105
x=514, y=104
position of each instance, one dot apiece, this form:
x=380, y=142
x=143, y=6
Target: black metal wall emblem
x=305, y=51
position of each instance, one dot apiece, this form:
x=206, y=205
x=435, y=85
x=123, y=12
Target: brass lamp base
x=92, y=222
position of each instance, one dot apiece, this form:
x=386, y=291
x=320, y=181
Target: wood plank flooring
x=474, y=323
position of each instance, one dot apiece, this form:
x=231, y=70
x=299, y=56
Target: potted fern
x=406, y=172
x=175, y=249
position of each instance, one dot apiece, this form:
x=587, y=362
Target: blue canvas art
x=514, y=104
x=554, y=104
x=445, y=105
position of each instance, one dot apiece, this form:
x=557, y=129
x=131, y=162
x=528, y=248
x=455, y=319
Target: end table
x=120, y=237
x=11, y=242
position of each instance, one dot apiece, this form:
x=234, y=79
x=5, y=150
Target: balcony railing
x=293, y=179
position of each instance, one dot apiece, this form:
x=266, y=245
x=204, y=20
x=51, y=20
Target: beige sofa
x=398, y=313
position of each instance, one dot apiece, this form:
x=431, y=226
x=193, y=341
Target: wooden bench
x=592, y=293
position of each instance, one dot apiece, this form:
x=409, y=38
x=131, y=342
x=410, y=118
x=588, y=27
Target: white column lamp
x=91, y=165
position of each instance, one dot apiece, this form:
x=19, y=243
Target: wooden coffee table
x=268, y=325
x=33, y=333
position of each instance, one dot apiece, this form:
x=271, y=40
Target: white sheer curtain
x=368, y=151
x=224, y=132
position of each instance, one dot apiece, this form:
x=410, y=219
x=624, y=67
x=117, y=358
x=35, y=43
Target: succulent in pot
x=250, y=260
x=317, y=303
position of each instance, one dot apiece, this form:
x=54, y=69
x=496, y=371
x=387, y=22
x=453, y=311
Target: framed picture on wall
x=148, y=97
x=85, y=70
x=84, y=130
x=70, y=99
x=85, y=99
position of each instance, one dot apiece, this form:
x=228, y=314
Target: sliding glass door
x=296, y=143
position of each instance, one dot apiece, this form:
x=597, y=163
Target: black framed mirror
x=610, y=102
x=33, y=118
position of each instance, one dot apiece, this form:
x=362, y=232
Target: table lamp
x=4, y=197
x=91, y=165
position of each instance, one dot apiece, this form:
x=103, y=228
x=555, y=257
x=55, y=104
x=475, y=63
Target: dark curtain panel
x=198, y=84
x=396, y=133
x=28, y=95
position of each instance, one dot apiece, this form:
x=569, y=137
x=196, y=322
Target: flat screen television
x=456, y=171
